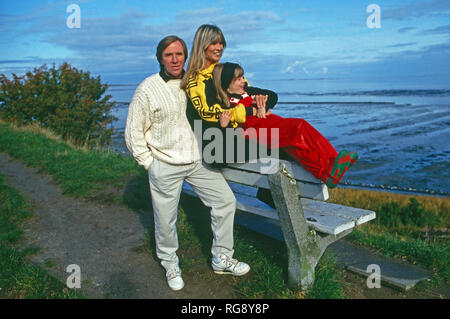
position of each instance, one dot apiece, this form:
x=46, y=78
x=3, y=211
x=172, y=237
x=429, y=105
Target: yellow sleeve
x=196, y=89
x=238, y=113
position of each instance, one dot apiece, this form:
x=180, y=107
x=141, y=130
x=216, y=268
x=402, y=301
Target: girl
x=208, y=45
x=296, y=136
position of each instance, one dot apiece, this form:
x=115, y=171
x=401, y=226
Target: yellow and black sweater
x=202, y=96
x=203, y=105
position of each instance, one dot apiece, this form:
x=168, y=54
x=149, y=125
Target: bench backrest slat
x=270, y=166
x=309, y=190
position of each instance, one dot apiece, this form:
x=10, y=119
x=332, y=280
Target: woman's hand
x=261, y=101
x=224, y=118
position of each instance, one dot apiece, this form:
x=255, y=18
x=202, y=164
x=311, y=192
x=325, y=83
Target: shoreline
x=397, y=190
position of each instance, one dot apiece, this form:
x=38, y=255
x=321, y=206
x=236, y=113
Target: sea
x=400, y=127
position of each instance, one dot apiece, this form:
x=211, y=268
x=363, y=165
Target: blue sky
x=271, y=39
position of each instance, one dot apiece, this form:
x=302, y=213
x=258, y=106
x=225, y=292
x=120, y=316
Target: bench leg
x=305, y=247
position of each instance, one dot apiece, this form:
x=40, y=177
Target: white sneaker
x=174, y=278
x=224, y=265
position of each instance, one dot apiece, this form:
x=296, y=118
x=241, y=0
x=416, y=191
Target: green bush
x=66, y=100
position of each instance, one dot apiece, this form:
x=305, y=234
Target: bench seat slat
x=358, y=215
x=325, y=223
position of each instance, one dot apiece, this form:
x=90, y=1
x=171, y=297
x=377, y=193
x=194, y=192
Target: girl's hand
x=261, y=113
x=224, y=118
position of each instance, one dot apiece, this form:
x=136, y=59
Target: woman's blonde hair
x=206, y=35
x=222, y=95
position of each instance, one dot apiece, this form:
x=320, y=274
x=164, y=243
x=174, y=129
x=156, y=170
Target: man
x=159, y=137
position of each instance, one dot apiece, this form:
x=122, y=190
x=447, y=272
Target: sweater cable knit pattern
x=157, y=126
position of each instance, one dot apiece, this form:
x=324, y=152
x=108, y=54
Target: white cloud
x=291, y=68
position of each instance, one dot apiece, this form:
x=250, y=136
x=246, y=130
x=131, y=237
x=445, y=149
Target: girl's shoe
x=343, y=162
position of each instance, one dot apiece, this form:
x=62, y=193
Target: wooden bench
x=308, y=223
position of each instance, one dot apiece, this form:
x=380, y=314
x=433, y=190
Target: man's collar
x=167, y=77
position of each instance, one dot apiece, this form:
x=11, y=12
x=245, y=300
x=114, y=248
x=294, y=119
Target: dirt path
x=106, y=241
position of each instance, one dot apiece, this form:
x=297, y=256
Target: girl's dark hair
x=221, y=92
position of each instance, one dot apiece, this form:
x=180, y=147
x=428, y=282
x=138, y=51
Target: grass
x=19, y=278
x=79, y=171
x=267, y=257
x=411, y=228
x=398, y=230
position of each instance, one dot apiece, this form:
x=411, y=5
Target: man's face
x=173, y=59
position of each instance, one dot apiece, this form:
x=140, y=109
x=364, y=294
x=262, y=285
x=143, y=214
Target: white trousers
x=166, y=181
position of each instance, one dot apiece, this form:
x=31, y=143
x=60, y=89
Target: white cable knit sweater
x=157, y=126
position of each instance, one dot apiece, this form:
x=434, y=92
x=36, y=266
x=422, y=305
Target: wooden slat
x=325, y=223
x=265, y=166
x=358, y=215
x=308, y=190
x=246, y=178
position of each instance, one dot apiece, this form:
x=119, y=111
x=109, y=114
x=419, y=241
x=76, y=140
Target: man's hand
x=224, y=118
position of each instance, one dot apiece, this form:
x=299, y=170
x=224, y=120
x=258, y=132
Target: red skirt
x=296, y=137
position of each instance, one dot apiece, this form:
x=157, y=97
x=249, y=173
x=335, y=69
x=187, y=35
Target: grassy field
x=400, y=229
x=412, y=228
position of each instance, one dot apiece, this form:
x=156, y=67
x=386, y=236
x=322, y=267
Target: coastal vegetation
x=412, y=228
x=66, y=100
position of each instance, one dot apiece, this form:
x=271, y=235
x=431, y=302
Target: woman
x=206, y=52
x=297, y=137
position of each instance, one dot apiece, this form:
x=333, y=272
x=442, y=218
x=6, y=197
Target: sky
x=270, y=39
